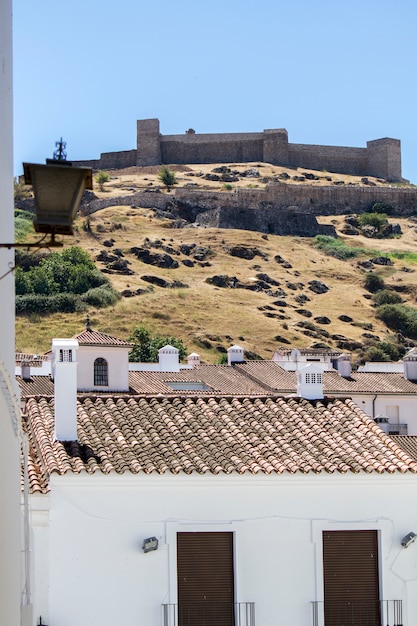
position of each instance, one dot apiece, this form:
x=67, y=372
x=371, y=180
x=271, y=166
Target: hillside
x=285, y=290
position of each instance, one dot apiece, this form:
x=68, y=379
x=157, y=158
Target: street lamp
x=58, y=188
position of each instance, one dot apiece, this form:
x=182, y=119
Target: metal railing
x=382, y=613
x=209, y=614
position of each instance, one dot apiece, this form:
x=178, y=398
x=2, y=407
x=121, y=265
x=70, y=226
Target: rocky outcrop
x=266, y=219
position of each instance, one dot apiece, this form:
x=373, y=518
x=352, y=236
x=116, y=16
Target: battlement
x=380, y=158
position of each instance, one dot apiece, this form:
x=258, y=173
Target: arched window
x=101, y=372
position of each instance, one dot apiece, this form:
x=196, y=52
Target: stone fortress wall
x=381, y=157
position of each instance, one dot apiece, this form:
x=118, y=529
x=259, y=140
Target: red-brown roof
x=211, y=435
x=94, y=338
x=279, y=380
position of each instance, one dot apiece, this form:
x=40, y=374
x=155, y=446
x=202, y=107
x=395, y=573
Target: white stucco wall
x=374, y=406
x=117, y=360
x=10, y=553
x=98, y=573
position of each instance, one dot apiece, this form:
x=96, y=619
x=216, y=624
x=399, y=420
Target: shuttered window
x=205, y=579
x=351, y=582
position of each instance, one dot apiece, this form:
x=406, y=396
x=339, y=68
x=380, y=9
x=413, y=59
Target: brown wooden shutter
x=351, y=582
x=205, y=578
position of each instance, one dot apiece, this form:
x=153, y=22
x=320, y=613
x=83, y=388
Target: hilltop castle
x=381, y=157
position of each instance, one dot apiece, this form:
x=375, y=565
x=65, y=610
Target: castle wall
x=326, y=200
x=380, y=158
x=339, y=159
x=212, y=148
x=110, y=160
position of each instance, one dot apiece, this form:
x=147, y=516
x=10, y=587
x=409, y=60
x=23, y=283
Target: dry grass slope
x=208, y=318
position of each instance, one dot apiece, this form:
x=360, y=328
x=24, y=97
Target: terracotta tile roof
x=369, y=382
x=35, y=360
x=218, y=378
x=279, y=380
x=95, y=338
x=221, y=378
x=36, y=386
x=285, y=351
x=148, y=383
x=408, y=443
x=270, y=374
x=211, y=435
x=249, y=378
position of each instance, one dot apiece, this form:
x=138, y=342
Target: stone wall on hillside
x=311, y=200
x=145, y=200
x=316, y=200
x=266, y=220
x=380, y=158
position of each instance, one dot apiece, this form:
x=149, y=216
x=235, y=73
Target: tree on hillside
x=167, y=177
x=145, y=346
x=101, y=178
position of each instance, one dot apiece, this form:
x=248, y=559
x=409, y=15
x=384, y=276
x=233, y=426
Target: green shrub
x=100, y=297
x=386, y=296
x=101, y=178
x=227, y=186
x=145, y=346
x=373, y=282
x=374, y=353
x=63, y=282
x=44, y=304
x=71, y=271
x=399, y=317
x=383, y=351
x=167, y=177
x=377, y=220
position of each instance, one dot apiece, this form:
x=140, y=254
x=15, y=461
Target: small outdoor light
x=408, y=539
x=149, y=544
x=58, y=188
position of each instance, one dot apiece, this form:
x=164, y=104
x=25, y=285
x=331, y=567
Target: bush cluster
x=65, y=282
x=146, y=346
x=399, y=317
x=377, y=220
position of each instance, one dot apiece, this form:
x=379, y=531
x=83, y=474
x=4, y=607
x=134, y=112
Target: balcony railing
x=382, y=613
x=209, y=614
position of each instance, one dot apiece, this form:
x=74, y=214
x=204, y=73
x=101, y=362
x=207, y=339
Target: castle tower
x=384, y=159
x=148, y=142
x=275, y=146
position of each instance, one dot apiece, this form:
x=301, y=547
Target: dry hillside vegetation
x=225, y=287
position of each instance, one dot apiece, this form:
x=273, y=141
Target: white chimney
x=193, y=359
x=235, y=354
x=169, y=360
x=410, y=365
x=344, y=366
x=310, y=382
x=65, y=387
x=383, y=422
x=25, y=367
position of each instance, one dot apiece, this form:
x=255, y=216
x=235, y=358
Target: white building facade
x=98, y=573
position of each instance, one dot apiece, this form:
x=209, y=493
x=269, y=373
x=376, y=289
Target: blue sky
x=330, y=72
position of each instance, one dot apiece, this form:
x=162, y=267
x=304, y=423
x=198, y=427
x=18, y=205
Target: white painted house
x=234, y=508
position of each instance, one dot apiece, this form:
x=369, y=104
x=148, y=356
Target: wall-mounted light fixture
x=408, y=539
x=149, y=544
x=58, y=188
